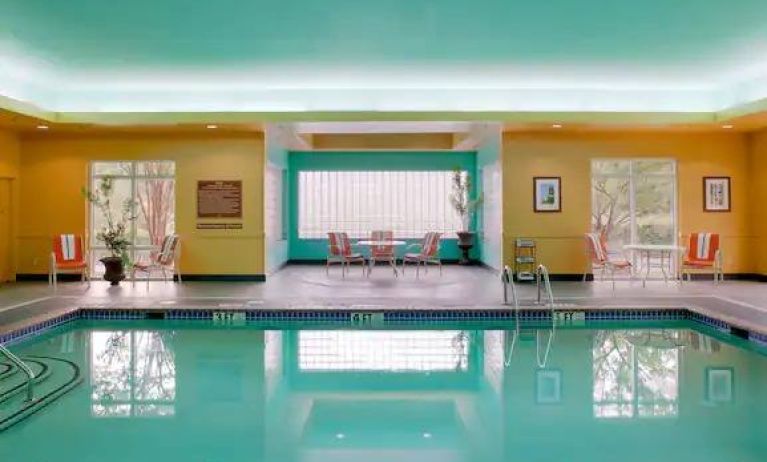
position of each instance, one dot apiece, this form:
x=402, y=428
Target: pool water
x=158, y=391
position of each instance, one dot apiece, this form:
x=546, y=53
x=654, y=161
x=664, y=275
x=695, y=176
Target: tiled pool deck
x=303, y=293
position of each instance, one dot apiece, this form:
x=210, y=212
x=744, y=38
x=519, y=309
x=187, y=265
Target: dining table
x=370, y=244
x=666, y=253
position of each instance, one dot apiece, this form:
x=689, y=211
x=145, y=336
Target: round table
x=371, y=244
x=646, y=251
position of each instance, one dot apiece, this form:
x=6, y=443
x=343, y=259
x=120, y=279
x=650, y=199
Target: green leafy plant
x=460, y=197
x=114, y=233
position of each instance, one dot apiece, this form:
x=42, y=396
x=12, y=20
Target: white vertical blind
x=410, y=203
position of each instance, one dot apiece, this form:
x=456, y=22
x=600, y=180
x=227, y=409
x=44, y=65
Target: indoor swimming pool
x=192, y=391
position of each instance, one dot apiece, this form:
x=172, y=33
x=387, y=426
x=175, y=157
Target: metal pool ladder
x=23, y=366
x=507, y=278
x=542, y=273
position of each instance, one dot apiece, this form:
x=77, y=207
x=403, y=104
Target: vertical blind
x=410, y=203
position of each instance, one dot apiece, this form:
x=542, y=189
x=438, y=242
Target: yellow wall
x=569, y=155
x=758, y=193
x=9, y=171
x=54, y=169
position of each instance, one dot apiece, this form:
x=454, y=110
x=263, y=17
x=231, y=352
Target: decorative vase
x=465, y=243
x=114, y=270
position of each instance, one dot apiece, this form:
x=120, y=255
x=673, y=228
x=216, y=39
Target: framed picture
x=716, y=194
x=547, y=194
x=720, y=384
x=548, y=386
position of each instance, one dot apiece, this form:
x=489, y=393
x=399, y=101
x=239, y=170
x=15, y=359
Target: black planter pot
x=114, y=270
x=465, y=243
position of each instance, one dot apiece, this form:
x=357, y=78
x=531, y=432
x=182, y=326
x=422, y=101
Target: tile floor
x=739, y=302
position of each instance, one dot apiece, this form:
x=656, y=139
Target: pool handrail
x=26, y=369
x=507, y=279
x=543, y=273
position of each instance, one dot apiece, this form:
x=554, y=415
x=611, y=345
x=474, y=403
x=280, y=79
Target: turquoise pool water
x=156, y=391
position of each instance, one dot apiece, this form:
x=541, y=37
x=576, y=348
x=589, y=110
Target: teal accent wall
x=316, y=249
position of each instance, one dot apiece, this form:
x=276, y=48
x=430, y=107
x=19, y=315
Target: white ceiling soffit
x=381, y=127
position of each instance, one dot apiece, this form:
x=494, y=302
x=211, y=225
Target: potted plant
x=460, y=198
x=114, y=232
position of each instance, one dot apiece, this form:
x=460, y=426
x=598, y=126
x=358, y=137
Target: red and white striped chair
x=68, y=257
x=164, y=259
x=340, y=251
x=703, y=253
x=429, y=253
x=596, y=247
x=384, y=252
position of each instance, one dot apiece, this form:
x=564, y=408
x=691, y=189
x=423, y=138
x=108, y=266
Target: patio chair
x=703, y=253
x=596, y=248
x=429, y=253
x=164, y=259
x=68, y=257
x=340, y=251
x=383, y=253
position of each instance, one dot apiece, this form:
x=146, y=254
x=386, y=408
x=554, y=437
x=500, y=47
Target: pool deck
x=739, y=303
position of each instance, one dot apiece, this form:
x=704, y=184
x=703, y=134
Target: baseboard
x=569, y=277
x=301, y=261
x=27, y=277
x=224, y=277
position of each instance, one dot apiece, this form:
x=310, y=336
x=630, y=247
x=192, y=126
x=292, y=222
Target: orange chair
x=429, y=253
x=703, y=253
x=340, y=251
x=596, y=248
x=382, y=252
x=68, y=257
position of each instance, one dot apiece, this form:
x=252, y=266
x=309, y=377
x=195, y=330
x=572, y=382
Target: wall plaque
x=219, y=199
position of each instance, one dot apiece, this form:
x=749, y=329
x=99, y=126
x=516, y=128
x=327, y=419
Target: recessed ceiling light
x=340, y=436
x=426, y=435
x=556, y=126
x=211, y=126
x=42, y=127
x=727, y=127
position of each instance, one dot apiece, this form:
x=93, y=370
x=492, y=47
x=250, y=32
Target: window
x=150, y=185
x=133, y=373
x=410, y=203
x=636, y=374
x=634, y=201
x=391, y=351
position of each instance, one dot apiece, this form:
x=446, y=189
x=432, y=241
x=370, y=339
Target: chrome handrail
x=507, y=279
x=27, y=371
x=543, y=272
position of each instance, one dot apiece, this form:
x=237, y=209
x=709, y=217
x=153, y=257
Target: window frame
x=134, y=176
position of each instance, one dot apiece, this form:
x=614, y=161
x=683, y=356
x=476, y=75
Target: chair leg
x=133, y=277
x=439, y=263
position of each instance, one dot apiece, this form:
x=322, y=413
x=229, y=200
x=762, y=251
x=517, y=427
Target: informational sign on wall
x=219, y=199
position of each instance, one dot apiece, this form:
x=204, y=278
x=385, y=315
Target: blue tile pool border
x=384, y=318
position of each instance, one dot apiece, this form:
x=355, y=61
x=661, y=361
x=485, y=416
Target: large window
x=636, y=374
x=634, y=201
x=133, y=373
x=390, y=351
x=150, y=185
x=408, y=202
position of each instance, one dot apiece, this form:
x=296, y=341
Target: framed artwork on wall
x=716, y=194
x=547, y=194
x=548, y=386
x=720, y=384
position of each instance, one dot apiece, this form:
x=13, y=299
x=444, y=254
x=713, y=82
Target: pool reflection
x=462, y=395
